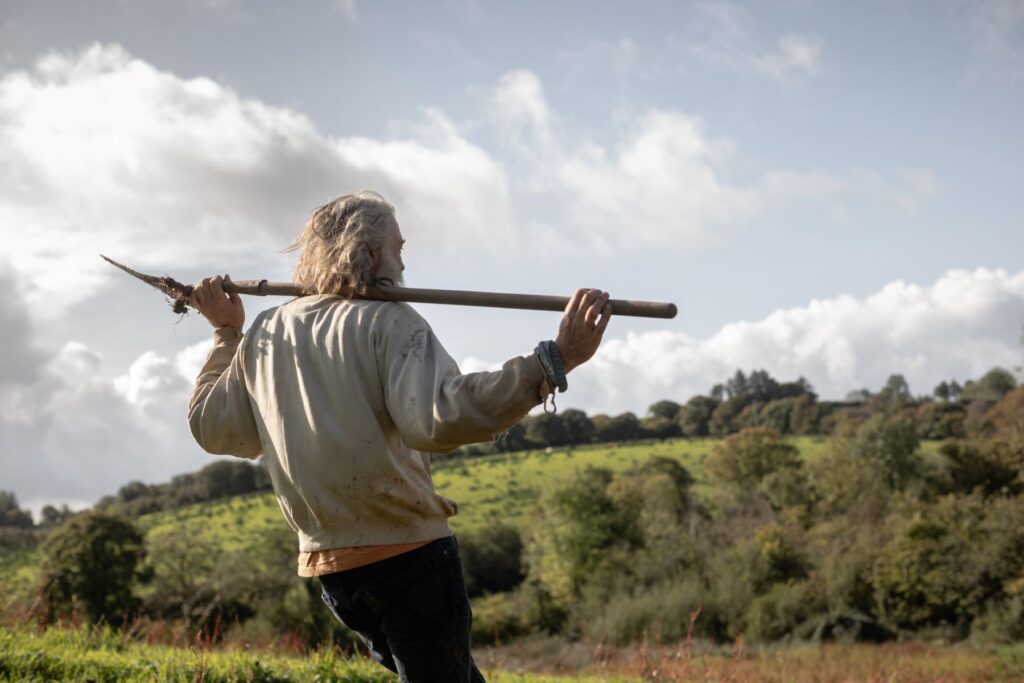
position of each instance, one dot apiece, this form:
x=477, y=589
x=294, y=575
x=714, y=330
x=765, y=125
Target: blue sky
x=827, y=189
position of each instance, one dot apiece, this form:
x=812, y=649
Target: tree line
x=744, y=400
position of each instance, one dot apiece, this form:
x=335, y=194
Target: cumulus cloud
x=518, y=105
x=959, y=327
x=664, y=182
x=72, y=434
x=721, y=34
x=102, y=151
x=20, y=358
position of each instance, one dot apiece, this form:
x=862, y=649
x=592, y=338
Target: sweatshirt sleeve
x=434, y=406
x=219, y=413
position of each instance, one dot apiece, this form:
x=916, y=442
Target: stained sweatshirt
x=346, y=399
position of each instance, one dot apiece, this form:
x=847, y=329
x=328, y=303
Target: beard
x=390, y=270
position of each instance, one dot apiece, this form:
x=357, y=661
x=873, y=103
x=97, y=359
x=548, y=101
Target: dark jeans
x=411, y=610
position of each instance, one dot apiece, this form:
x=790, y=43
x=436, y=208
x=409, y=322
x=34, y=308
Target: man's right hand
x=583, y=323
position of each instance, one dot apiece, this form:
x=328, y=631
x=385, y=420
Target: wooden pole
x=181, y=294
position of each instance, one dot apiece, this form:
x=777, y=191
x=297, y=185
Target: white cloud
x=100, y=151
x=663, y=185
x=150, y=380
x=721, y=35
x=72, y=435
x=996, y=32
x=517, y=104
x=189, y=361
x=964, y=324
x=20, y=359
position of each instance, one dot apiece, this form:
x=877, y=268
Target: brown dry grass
x=889, y=663
x=907, y=662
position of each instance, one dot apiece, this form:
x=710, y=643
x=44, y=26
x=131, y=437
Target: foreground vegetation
x=102, y=654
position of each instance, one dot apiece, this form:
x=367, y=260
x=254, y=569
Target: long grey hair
x=334, y=246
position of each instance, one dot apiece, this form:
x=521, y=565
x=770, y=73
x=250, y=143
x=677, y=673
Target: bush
x=786, y=610
x=93, y=560
x=1000, y=624
x=661, y=613
x=492, y=560
x=743, y=460
x=500, y=617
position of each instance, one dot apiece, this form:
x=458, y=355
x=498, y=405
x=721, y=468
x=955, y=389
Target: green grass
x=102, y=654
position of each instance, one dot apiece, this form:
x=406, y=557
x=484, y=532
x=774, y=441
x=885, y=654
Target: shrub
x=661, y=612
x=786, y=610
x=743, y=460
x=93, y=560
x=492, y=560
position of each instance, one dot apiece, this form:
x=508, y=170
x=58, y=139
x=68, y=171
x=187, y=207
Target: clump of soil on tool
x=180, y=295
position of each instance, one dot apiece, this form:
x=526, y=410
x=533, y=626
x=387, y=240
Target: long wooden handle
x=535, y=302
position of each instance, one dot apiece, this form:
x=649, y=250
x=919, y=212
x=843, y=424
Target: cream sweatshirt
x=345, y=399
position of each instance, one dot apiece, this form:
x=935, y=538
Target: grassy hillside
x=499, y=488
x=489, y=489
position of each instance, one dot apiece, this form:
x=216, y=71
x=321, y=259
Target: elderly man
x=346, y=398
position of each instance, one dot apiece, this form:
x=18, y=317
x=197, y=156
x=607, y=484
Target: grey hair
x=334, y=246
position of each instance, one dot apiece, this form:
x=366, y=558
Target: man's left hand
x=217, y=306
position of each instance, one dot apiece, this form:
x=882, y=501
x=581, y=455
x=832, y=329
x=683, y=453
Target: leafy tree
x=581, y=533
x=806, y=415
x=992, y=386
x=578, y=427
x=896, y=390
x=923, y=575
x=761, y=386
x=942, y=391
x=226, y=478
x=941, y=420
x=890, y=445
x=659, y=427
x=695, y=416
x=624, y=427
x=666, y=409
x=513, y=439
x=955, y=391
x=52, y=516
x=547, y=429
x=10, y=514
x=133, y=490
x=725, y=419
x=492, y=560
x=743, y=460
x=737, y=387
x=94, y=560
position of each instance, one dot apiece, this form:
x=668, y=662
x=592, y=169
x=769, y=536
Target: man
x=346, y=398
